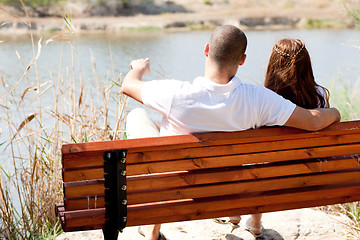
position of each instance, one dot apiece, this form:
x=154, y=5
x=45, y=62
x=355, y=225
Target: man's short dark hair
x=227, y=45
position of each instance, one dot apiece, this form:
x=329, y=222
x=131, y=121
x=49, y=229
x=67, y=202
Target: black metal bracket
x=115, y=193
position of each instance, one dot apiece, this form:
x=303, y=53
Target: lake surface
x=180, y=55
x=173, y=55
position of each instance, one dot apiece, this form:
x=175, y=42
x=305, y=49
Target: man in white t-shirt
x=219, y=101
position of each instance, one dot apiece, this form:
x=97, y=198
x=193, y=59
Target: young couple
x=219, y=101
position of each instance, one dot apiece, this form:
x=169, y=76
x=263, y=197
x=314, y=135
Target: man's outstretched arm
x=132, y=84
x=313, y=119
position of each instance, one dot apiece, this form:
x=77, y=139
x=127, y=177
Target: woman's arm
x=313, y=119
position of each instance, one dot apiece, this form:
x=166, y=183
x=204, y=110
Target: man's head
x=227, y=46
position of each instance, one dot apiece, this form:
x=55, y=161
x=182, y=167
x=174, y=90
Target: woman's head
x=290, y=74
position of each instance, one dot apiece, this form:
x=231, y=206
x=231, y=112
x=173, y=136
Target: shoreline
x=248, y=19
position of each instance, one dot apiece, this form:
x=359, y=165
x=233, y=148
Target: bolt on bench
x=112, y=184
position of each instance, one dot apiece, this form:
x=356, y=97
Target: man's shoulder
x=166, y=83
x=251, y=87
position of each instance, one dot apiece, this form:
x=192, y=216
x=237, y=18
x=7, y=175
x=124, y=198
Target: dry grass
x=37, y=121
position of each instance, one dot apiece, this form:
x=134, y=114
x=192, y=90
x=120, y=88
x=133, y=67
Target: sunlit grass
x=345, y=95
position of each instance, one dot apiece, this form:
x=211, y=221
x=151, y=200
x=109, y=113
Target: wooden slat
x=85, y=173
x=84, y=228
x=243, y=148
x=194, y=209
x=80, y=174
x=182, y=179
x=84, y=218
x=269, y=134
x=82, y=160
x=276, y=207
x=59, y=207
x=219, y=175
x=236, y=160
x=88, y=159
x=202, y=191
x=243, y=187
x=181, y=141
x=208, y=208
x=84, y=188
x=84, y=203
x=192, y=164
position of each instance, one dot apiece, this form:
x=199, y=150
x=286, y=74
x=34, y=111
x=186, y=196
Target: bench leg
x=115, y=193
x=110, y=233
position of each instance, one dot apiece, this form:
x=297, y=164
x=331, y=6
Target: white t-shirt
x=204, y=106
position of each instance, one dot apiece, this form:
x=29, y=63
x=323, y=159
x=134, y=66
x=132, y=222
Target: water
x=173, y=55
x=180, y=55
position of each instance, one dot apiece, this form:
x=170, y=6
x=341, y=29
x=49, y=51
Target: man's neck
x=218, y=75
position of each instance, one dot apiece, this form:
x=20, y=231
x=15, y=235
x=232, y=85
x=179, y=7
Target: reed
x=37, y=117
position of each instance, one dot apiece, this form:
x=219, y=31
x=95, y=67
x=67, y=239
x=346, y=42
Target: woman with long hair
x=290, y=74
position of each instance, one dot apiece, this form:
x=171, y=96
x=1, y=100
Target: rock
x=176, y=25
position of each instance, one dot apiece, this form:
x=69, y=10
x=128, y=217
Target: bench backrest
x=215, y=174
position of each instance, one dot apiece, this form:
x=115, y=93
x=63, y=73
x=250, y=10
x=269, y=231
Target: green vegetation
x=34, y=5
x=199, y=26
x=311, y=23
x=345, y=95
x=207, y=2
x=288, y=4
x=353, y=11
x=30, y=2
x=143, y=29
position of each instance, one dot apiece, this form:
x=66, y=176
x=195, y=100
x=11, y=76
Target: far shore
x=247, y=19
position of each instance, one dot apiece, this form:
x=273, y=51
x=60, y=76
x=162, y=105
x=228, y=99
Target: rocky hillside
x=87, y=8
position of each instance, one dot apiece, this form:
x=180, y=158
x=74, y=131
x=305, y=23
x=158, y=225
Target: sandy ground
x=301, y=224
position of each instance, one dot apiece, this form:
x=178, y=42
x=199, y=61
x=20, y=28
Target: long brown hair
x=290, y=74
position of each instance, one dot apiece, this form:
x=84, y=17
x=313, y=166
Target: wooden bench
x=207, y=175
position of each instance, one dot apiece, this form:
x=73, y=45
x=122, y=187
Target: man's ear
x=206, y=51
x=243, y=60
